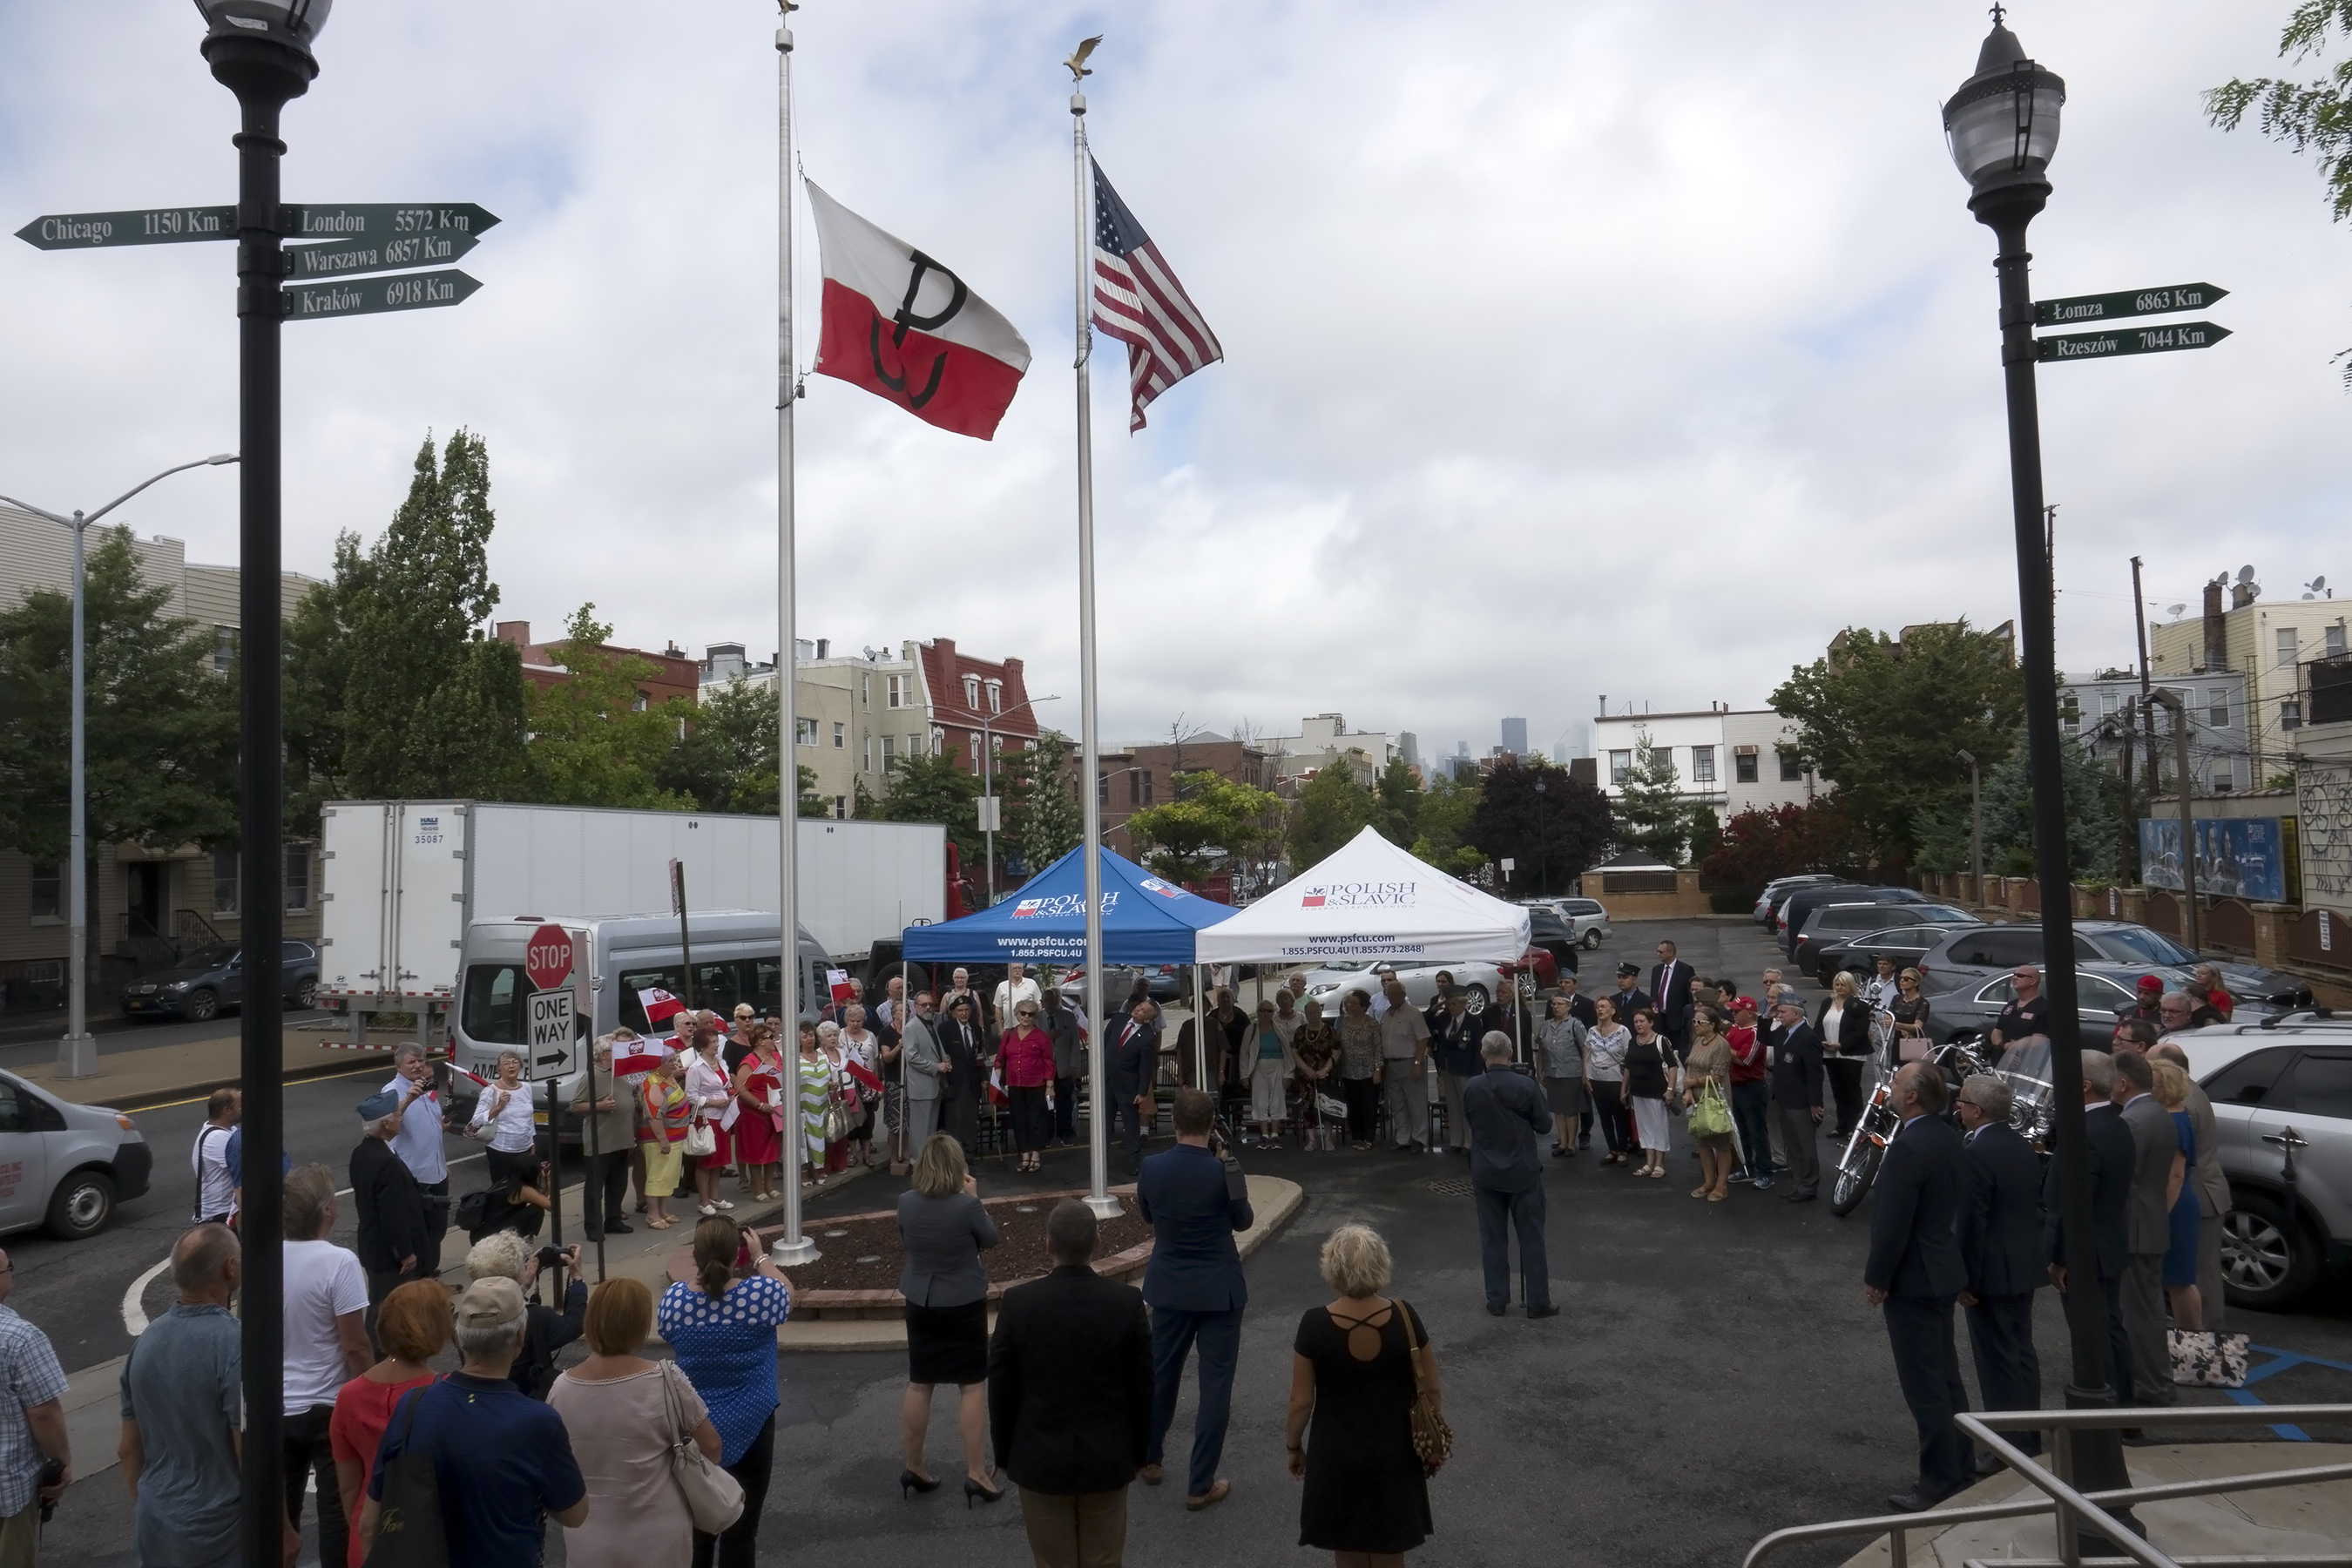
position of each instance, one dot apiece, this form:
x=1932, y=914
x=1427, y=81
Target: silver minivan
x=618, y=958
x=64, y=1166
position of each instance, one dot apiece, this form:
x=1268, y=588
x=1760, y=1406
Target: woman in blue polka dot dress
x=724, y=1332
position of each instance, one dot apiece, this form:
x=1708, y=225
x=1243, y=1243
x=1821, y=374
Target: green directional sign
x=351, y=258
x=369, y=295
x=2130, y=302
x=2131, y=340
x=384, y=220
x=147, y=226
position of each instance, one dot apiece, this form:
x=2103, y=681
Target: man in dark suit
x=1194, y=1287
x=1915, y=1273
x=1069, y=1397
x=2147, y=1228
x=1670, y=991
x=1454, y=1037
x=1134, y=1063
x=2000, y=1246
x=1629, y=997
x=1507, y=1113
x=1796, y=1076
x=391, y=1206
x=2111, y=1156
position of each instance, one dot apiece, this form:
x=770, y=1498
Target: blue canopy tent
x=1145, y=920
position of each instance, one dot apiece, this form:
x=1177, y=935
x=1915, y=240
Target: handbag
x=1710, y=1114
x=2203, y=1358
x=408, y=1529
x=836, y=1121
x=1433, y=1439
x=713, y=1498
x=701, y=1140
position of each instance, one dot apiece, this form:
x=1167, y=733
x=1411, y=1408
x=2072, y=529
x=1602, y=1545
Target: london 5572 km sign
x=378, y=221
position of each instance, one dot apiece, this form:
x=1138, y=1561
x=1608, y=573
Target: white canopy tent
x=1370, y=901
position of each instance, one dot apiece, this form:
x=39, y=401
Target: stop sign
x=548, y=960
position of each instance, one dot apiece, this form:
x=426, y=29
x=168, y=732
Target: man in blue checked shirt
x=32, y=1429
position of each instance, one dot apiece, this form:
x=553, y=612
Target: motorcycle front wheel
x=1856, y=1169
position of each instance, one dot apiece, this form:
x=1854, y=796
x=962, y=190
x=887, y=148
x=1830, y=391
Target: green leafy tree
x=1211, y=820
x=727, y=761
x=2313, y=117
x=2093, y=819
x=1444, y=831
x=1396, y=804
x=1041, y=813
x=402, y=631
x=160, y=761
x=1652, y=814
x=594, y=738
x=1330, y=809
x=1552, y=837
x=1883, y=720
x=939, y=787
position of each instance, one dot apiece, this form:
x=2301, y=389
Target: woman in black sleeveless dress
x=1365, y=1494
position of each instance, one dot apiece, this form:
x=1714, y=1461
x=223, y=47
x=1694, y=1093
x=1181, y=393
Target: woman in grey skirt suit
x=944, y=1228
x=1559, y=1051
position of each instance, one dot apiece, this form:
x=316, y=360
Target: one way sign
x=554, y=1044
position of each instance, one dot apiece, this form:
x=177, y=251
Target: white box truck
x=403, y=879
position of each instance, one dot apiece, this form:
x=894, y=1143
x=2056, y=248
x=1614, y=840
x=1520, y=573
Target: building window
x=1621, y=767
x=48, y=892
x=938, y=739
x=894, y=691
x=2225, y=774
x=224, y=648
x=996, y=696
x=840, y=736
x=224, y=894
x=2070, y=709
x=841, y=807
x=804, y=730
x=2217, y=707
x=2291, y=713
x=642, y=702
x=914, y=745
x=298, y=878
x=1791, y=770
x=2106, y=704
x=868, y=763
x=1146, y=786
x=1703, y=764
x=2335, y=640
x=972, y=692
x=972, y=750
x=2286, y=645
x=1102, y=789
x=890, y=752
x=865, y=688
x=1743, y=765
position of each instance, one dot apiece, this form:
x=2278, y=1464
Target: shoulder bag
x=713, y=1498
x=408, y=1522
x=1433, y=1439
x=1710, y=1116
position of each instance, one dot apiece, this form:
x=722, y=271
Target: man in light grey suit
x=922, y=1074
x=2147, y=1228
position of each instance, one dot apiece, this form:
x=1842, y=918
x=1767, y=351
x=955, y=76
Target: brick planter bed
x=838, y=1286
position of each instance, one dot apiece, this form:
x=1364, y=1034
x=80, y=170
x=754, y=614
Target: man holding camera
x=1195, y=1202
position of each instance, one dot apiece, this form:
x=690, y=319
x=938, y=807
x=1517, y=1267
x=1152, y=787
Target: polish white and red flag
x=660, y=1006
x=907, y=330
x=1137, y=300
x=633, y=1057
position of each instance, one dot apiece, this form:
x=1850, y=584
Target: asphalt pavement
x=1715, y=1372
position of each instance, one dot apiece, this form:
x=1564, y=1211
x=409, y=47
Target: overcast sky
x=1573, y=349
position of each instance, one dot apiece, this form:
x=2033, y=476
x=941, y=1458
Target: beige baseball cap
x=486, y=1303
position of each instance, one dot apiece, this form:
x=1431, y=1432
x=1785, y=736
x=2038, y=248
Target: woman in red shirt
x=413, y=1324
x=759, y=1135
x=1027, y=1056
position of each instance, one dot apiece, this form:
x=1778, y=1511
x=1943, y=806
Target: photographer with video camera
x=506, y=1256
x=1195, y=1198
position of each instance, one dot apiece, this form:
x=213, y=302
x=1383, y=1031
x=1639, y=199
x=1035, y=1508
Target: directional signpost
x=2127, y=340
x=347, y=241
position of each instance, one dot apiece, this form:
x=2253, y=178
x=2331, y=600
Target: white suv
x=2282, y=1093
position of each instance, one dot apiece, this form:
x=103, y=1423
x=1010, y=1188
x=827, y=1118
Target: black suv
x=1832, y=925
x=1980, y=953
x=1549, y=930
x=212, y=978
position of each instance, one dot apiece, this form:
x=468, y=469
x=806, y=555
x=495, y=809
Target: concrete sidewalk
x=164, y=1073
x=2306, y=1522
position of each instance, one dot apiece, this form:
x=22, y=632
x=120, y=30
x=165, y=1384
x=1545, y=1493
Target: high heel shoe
x=910, y=1483
x=972, y=1489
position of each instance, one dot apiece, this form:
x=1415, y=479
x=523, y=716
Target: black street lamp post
x=1543, y=845
x=2002, y=125
x=260, y=50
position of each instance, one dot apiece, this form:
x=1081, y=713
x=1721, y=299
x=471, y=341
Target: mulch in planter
x=1020, y=1254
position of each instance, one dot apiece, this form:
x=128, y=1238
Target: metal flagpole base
x=1106, y=1206
x=792, y=1253
x=77, y=1056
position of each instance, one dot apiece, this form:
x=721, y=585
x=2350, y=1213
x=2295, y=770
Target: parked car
x=1831, y=924
x=1589, y=921
x=1776, y=892
x=1554, y=935
x=64, y=1166
x=1906, y=944
x=2282, y=1093
x=2102, y=994
x=1979, y=952
x=1480, y=980
x=1789, y=924
x=212, y=978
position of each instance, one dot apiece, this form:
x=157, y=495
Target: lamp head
x=2002, y=123
x=295, y=22
x=260, y=49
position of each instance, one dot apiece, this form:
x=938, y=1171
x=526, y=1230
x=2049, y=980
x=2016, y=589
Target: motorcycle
x=1857, y=1166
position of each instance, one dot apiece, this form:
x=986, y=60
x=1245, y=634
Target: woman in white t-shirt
x=513, y=1162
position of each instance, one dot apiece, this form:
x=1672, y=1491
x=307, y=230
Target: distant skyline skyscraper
x=1515, y=737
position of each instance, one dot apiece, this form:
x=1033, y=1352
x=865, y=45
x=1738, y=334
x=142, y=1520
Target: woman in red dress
x=759, y=1088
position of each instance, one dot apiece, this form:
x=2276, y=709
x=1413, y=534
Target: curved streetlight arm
x=79, y=520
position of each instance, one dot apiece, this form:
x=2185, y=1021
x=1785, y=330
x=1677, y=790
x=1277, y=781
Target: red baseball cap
x=2150, y=982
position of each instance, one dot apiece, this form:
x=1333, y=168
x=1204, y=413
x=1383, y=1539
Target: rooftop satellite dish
x=2245, y=574
x=2175, y=611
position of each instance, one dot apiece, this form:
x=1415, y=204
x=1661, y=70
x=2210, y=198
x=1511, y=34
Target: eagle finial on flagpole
x=1077, y=62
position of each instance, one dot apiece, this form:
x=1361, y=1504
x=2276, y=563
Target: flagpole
x=791, y=1248
x=1098, y=1196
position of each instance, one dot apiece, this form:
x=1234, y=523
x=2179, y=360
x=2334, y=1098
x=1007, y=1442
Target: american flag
x=1138, y=301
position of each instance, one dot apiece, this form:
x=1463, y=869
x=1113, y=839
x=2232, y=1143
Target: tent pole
x=1200, y=1026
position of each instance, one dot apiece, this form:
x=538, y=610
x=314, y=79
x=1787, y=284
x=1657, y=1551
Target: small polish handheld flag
x=906, y=330
x=633, y=1057
x=1137, y=300
x=838, y=983
x=865, y=1076
x=996, y=1095
x=660, y=1005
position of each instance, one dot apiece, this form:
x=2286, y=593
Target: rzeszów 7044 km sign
x=2131, y=340
x=367, y=296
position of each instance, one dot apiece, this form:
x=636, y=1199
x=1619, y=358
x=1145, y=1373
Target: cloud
x=1623, y=348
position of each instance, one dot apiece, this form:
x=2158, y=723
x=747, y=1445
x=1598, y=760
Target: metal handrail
x=2090, y=1508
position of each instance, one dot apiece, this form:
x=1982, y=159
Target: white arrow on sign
x=555, y=1048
